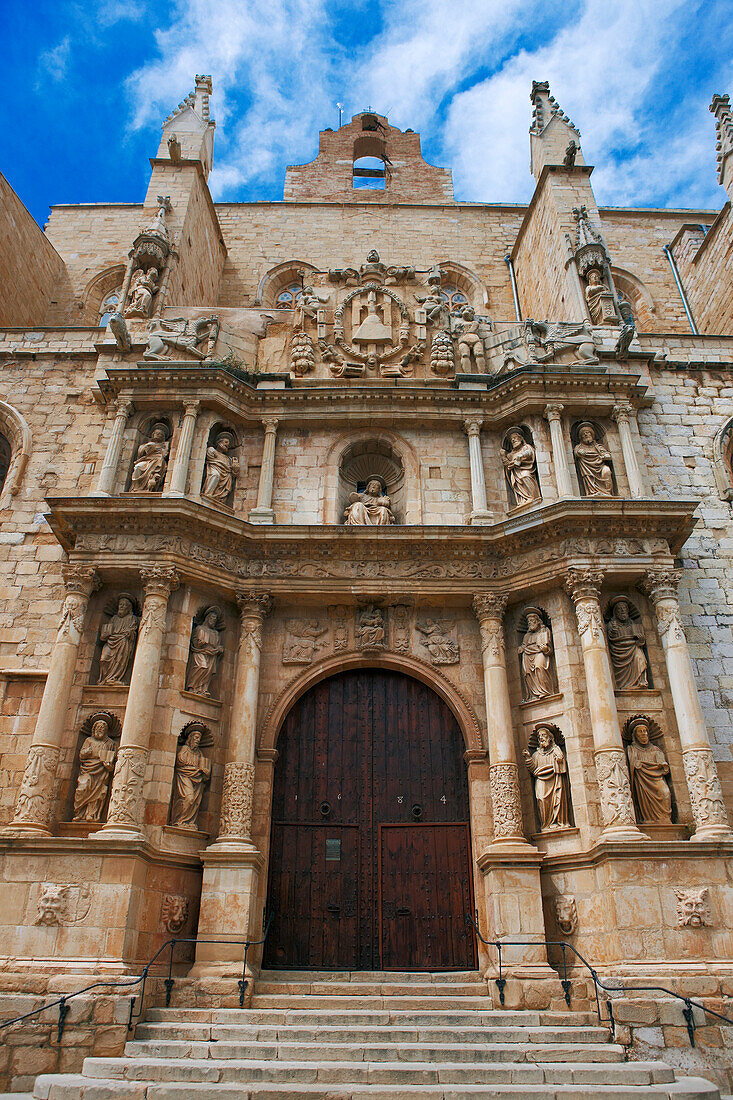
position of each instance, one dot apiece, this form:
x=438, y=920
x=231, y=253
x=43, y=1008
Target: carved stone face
x=567, y=914
x=621, y=611
x=516, y=440
x=211, y=620
x=641, y=733
x=534, y=622
x=223, y=444
x=374, y=488
x=158, y=435
x=587, y=435
x=174, y=912
x=594, y=276
x=99, y=730
x=51, y=904
x=545, y=738
x=124, y=607
x=693, y=910
x=193, y=740
x=467, y=313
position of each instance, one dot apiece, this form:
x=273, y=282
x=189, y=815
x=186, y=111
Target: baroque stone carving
x=118, y=637
x=126, y=800
x=626, y=645
x=400, y=617
x=437, y=639
x=506, y=801
x=370, y=629
x=545, y=760
x=236, y=800
x=174, y=913
x=648, y=771
x=37, y=790
x=302, y=354
x=584, y=587
x=535, y=654
x=151, y=461
x=617, y=806
x=195, y=338
x=220, y=469
x=205, y=651
x=703, y=783
x=566, y=914
x=593, y=461
x=302, y=641
x=192, y=773
x=489, y=610
x=442, y=355
x=470, y=333
x=143, y=287
x=372, y=508
x=693, y=908
x=97, y=757
x=63, y=903
x=340, y=615
x=520, y=466
x=535, y=342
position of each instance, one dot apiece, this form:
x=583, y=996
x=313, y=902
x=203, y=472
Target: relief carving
x=520, y=467
x=126, y=800
x=535, y=654
x=220, y=469
x=566, y=914
x=340, y=616
x=506, y=801
x=63, y=904
x=173, y=913
x=370, y=629
x=438, y=640
x=302, y=355
x=372, y=508
x=626, y=645
x=593, y=462
x=195, y=338
x=118, y=637
x=703, y=783
x=617, y=806
x=37, y=790
x=97, y=757
x=192, y=773
x=205, y=650
x=693, y=908
x=400, y=617
x=546, y=762
x=302, y=641
x=236, y=800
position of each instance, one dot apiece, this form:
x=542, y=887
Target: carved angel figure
x=648, y=769
x=535, y=654
x=193, y=771
x=151, y=462
x=626, y=646
x=96, y=764
x=180, y=334
x=520, y=464
x=205, y=651
x=550, y=770
x=372, y=508
x=442, y=648
x=144, y=286
x=594, y=463
x=118, y=642
x=220, y=469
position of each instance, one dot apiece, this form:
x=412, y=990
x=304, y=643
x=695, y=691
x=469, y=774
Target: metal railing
x=500, y=982
x=62, y=1003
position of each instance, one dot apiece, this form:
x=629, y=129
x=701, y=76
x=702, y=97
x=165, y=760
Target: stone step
x=414, y=977
x=319, y=1000
x=314, y=1016
x=171, y=1035
x=370, y=989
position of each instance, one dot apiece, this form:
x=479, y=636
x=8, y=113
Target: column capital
x=622, y=410
x=192, y=406
x=472, y=425
x=270, y=424
x=584, y=584
x=159, y=580
x=254, y=605
x=489, y=605
x=80, y=580
x=661, y=584
x=124, y=407
x=553, y=411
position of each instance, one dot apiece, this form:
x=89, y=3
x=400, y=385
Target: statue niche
x=371, y=507
x=648, y=771
x=519, y=458
x=371, y=485
x=191, y=775
x=117, y=638
x=151, y=459
x=627, y=645
x=593, y=461
x=221, y=468
x=97, y=755
x=546, y=762
x=205, y=650
x=535, y=654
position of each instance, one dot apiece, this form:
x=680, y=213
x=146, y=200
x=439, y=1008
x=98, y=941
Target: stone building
x=366, y=561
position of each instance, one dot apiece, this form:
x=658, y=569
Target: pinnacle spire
x=720, y=107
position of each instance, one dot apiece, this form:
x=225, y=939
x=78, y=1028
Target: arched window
x=287, y=296
x=110, y=305
x=15, y=450
x=454, y=298
x=6, y=454
x=370, y=172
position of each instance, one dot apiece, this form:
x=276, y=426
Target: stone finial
x=554, y=138
x=720, y=107
x=546, y=107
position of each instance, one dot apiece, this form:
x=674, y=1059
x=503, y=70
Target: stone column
x=232, y=864
x=262, y=512
x=126, y=807
x=708, y=808
x=503, y=774
x=123, y=412
x=34, y=808
x=177, y=486
x=553, y=414
x=480, y=513
x=622, y=413
x=617, y=807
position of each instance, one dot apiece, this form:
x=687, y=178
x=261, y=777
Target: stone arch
x=18, y=434
x=723, y=459
x=98, y=288
x=280, y=277
x=638, y=297
x=454, y=699
x=411, y=497
x=464, y=279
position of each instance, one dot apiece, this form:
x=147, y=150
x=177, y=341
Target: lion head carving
x=174, y=913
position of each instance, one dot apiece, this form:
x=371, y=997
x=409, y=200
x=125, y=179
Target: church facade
x=367, y=564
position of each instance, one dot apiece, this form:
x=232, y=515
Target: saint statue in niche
x=372, y=508
x=626, y=645
x=520, y=466
x=205, y=650
x=143, y=288
x=546, y=761
x=151, y=462
x=595, y=291
x=535, y=654
x=648, y=769
x=118, y=642
x=96, y=764
x=193, y=771
x=220, y=469
x=594, y=463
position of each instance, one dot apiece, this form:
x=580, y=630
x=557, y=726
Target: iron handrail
x=130, y=983
x=501, y=981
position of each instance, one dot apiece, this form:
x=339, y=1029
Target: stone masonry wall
x=30, y=267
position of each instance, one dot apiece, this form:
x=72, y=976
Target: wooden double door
x=370, y=854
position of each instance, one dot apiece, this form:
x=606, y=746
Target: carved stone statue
x=372, y=508
x=442, y=648
x=594, y=463
x=595, y=292
x=181, y=334
x=118, y=642
x=96, y=764
x=205, y=650
x=520, y=467
x=302, y=641
x=307, y=304
x=220, y=469
x=193, y=771
x=151, y=462
x=648, y=769
x=470, y=333
x=535, y=654
x=549, y=767
x=626, y=646
x=370, y=633
x=144, y=286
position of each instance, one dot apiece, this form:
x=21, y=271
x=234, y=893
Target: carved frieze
x=371, y=633
x=506, y=801
x=302, y=641
x=437, y=639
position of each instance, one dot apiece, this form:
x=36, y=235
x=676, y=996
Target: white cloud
x=53, y=63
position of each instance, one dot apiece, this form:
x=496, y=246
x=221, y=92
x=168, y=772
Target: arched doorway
x=370, y=853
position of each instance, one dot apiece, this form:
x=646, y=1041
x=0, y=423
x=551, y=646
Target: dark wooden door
x=370, y=816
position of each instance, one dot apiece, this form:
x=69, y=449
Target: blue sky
x=87, y=85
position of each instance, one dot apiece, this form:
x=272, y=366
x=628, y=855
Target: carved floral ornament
x=506, y=801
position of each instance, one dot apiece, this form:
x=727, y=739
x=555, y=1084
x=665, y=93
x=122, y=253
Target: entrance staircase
x=382, y=1035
